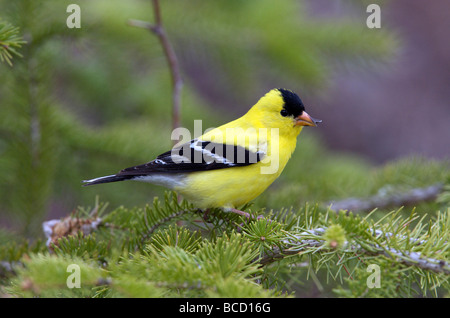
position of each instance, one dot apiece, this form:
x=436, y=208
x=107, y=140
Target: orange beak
x=305, y=120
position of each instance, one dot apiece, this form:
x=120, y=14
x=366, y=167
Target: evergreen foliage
x=52, y=137
x=231, y=256
x=9, y=42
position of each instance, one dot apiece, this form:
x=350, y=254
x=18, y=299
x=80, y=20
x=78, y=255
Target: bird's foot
x=205, y=216
x=246, y=214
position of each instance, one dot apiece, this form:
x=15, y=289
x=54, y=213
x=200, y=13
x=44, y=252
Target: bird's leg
x=247, y=215
x=205, y=215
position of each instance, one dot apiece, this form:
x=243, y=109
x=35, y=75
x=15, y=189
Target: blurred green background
x=83, y=103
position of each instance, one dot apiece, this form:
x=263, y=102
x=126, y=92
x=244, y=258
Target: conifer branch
x=416, y=259
x=9, y=42
x=152, y=229
x=305, y=241
x=177, y=83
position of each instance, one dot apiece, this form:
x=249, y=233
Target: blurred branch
x=177, y=82
x=383, y=200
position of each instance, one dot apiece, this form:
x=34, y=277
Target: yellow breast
x=236, y=186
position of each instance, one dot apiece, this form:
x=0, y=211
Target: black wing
x=197, y=155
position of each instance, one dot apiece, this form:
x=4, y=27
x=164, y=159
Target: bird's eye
x=284, y=112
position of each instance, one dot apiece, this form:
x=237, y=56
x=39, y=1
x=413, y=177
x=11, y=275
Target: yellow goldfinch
x=230, y=165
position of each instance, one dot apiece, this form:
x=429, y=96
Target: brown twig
x=177, y=82
x=152, y=229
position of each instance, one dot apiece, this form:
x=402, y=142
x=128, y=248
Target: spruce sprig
x=10, y=41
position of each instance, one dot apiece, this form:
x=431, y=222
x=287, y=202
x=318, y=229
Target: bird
x=231, y=165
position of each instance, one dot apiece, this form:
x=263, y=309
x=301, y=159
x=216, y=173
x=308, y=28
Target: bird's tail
x=107, y=179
